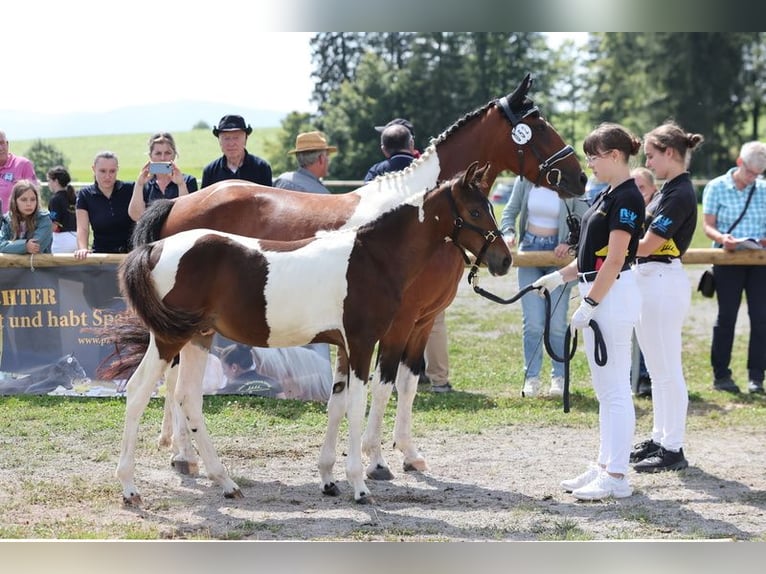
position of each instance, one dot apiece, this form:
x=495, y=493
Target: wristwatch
x=590, y=301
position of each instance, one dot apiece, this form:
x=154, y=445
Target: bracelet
x=590, y=301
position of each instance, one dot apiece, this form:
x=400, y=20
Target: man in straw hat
x=313, y=155
x=236, y=162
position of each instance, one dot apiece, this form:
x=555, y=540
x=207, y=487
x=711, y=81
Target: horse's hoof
x=380, y=472
x=236, y=493
x=133, y=501
x=365, y=498
x=417, y=465
x=331, y=489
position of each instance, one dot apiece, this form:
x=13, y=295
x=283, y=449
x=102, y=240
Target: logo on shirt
x=8, y=176
x=662, y=223
x=628, y=217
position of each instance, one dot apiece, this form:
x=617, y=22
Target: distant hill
x=172, y=116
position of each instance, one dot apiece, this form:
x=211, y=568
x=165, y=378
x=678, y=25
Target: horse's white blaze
x=389, y=191
x=306, y=288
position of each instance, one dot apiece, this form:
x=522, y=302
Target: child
x=25, y=228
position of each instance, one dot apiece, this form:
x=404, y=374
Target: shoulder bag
x=706, y=286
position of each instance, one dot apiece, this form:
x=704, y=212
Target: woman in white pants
x=666, y=294
x=608, y=242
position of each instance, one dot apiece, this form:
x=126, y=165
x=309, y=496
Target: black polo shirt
x=109, y=219
x=673, y=216
x=619, y=208
x=252, y=169
x=152, y=190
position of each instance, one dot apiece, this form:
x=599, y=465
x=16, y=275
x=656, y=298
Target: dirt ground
x=500, y=485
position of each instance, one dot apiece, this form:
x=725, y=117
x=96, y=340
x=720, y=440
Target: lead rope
x=599, y=352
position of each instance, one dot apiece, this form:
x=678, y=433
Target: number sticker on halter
x=521, y=133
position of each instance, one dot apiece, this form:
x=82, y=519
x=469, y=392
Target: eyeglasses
x=592, y=158
x=750, y=172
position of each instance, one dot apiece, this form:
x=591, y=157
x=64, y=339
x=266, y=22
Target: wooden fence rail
x=528, y=259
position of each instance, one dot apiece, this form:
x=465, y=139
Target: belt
x=590, y=276
x=655, y=259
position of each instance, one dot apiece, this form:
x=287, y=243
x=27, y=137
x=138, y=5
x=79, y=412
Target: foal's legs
x=175, y=433
x=349, y=397
x=336, y=408
x=189, y=396
x=138, y=392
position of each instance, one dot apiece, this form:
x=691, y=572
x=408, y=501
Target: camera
x=160, y=167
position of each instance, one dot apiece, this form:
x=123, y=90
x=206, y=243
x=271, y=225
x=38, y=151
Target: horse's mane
x=527, y=104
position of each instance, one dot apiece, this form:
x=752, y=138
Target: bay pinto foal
x=193, y=283
x=509, y=132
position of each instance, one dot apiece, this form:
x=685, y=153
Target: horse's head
x=534, y=149
x=474, y=219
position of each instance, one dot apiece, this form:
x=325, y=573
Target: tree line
x=710, y=83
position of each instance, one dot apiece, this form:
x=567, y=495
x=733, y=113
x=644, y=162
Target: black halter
x=459, y=224
x=552, y=174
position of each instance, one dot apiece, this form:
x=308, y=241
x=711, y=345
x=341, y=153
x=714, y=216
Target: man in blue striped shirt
x=740, y=191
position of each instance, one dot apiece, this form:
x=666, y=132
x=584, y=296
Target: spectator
x=644, y=179
x=62, y=209
x=398, y=145
x=151, y=186
x=242, y=377
x=12, y=169
x=734, y=206
x=609, y=238
x=25, y=229
x=103, y=206
x=671, y=218
x=542, y=219
x=313, y=156
x=236, y=162
x=407, y=124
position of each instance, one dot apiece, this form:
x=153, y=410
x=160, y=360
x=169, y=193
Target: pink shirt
x=15, y=168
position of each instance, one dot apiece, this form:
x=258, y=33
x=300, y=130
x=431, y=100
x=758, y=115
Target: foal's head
x=475, y=226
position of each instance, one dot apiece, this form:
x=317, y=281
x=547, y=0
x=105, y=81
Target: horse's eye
x=474, y=213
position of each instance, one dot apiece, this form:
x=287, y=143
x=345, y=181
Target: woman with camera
x=546, y=222
x=160, y=177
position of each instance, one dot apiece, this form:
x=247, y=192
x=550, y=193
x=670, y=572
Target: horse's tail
x=150, y=224
x=130, y=339
x=138, y=287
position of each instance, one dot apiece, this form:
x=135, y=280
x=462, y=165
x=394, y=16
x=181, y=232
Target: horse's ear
x=468, y=176
x=480, y=173
x=521, y=91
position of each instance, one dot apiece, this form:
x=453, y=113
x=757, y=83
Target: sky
x=95, y=56
x=98, y=56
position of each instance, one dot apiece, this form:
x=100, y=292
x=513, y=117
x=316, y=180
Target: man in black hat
x=236, y=162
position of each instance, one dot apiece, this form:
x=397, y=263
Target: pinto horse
x=509, y=132
x=188, y=285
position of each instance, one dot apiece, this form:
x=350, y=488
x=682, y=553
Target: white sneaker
x=582, y=479
x=531, y=387
x=557, y=387
x=604, y=486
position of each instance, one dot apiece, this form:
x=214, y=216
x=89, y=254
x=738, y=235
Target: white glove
x=582, y=316
x=550, y=281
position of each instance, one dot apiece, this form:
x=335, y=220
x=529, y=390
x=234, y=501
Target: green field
x=196, y=148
